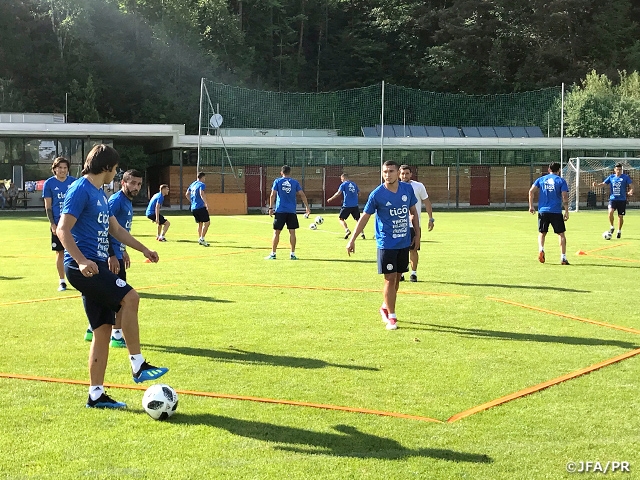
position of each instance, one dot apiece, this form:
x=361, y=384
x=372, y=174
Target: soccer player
x=284, y=194
x=54, y=190
x=199, y=207
x=620, y=186
x=153, y=212
x=553, y=197
x=394, y=204
x=121, y=208
x=350, y=191
x=84, y=228
x=421, y=194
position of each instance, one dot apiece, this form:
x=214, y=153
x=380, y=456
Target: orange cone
x=146, y=260
x=581, y=252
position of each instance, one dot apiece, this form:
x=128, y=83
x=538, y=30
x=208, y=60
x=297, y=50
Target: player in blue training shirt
x=284, y=193
x=349, y=191
x=121, y=208
x=199, y=207
x=620, y=185
x=554, y=194
x=84, y=229
x=153, y=212
x=393, y=202
x=54, y=190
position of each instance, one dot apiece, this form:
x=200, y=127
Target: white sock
x=136, y=362
x=392, y=315
x=293, y=253
x=116, y=333
x=62, y=281
x=95, y=391
x=563, y=257
x=414, y=272
x=384, y=305
x=201, y=239
x=612, y=228
x=541, y=249
x=89, y=329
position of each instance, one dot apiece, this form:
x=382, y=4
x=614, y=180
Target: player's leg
x=611, y=212
x=355, y=213
x=413, y=260
x=543, y=228
x=274, y=244
x=292, y=224
x=292, y=241
x=99, y=354
x=165, y=227
x=158, y=230
x=622, y=208
x=117, y=337
x=205, y=228
x=342, y=218
x=203, y=219
x=389, y=295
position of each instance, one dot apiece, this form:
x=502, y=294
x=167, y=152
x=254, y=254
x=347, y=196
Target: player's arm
x=596, y=184
x=565, y=204
x=532, y=192
x=630, y=188
x=351, y=244
x=204, y=199
x=304, y=201
x=125, y=237
x=429, y=209
x=49, y=210
x=334, y=196
x=413, y=212
x=157, y=213
x=66, y=223
x=272, y=201
x=186, y=195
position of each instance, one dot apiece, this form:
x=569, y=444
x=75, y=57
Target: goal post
x=581, y=172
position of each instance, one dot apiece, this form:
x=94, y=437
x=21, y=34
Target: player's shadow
x=599, y=265
x=2, y=277
x=521, y=337
x=344, y=260
x=347, y=441
x=183, y=298
x=235, y=355
x=505, y=285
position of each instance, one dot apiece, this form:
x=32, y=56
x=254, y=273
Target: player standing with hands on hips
x=84, y=229
x=394, y=204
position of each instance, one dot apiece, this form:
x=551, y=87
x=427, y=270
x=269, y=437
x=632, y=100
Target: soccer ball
x=313, y=226
x=607, y=235
x=319, y=220
x=160, y=401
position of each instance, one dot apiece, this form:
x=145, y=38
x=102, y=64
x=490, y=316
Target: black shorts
x=393, y=261
x=201, y=215
x=101, y=293
x=619, y=205
x=413, y=234
x=290, y=219
x=56, y=244
x=153, y=219
x=346, y=211
x=556, y=220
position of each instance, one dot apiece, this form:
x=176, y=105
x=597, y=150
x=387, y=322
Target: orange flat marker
x=566, y=315
x=338, y=289
x=581, y=252
x=231, y=397
x=541, y=386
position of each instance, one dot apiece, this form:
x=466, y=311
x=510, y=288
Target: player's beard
x=128, y=193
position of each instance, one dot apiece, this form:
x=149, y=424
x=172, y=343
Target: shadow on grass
x=504, y=285
x=184, y=298
x=10, y=278
x=343, y=260
x=521, y=337
x=604, y=265
x=235, y=355
x=348, y=441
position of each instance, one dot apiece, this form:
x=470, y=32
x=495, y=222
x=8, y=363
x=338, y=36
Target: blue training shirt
x=151, y=208
x=194, y=194
x=392, y=215
x=56, y=191
x=120, y=207
x=551, y=187
x=286, y=188
x=618, y=186
x=90, y=207
x=350, y=193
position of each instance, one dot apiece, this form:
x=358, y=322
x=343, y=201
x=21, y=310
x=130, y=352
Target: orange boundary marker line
x=606, y=248
x=339, y=289
x=541, y=386
x=232, y=397
x=67, y=297
x=615, y=258
x=565, y=315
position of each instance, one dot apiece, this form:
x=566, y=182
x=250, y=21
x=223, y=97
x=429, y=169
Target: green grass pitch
x=226, y=321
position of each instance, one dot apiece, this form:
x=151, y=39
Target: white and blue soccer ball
x=313, y=226
x=160, y=401
x=607, y=235
x=319, y=220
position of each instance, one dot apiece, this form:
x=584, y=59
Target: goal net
x=581, y=172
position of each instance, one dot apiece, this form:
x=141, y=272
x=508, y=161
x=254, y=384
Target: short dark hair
x=58, y=161
x=554, y=167
x=618, y=165
x=286, y=169
x=201, y=175
x=101, y=158
x=344, y=175
x=406, y=167
x=129, y=174
x=163, y=186
x=390, y=163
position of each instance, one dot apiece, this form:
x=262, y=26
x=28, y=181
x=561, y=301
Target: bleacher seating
x=399, y=131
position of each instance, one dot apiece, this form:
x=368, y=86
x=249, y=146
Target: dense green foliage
x=142, y=60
